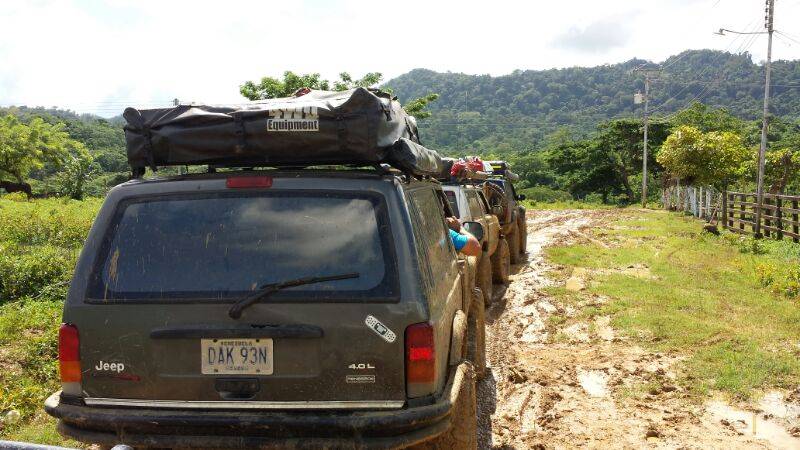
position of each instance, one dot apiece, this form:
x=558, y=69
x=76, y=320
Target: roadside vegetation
x=727, y=305
x=39, y=244
x=591, y=155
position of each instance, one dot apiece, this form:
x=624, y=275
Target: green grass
x=41, y=429
x=39, y=244
x=704, y=298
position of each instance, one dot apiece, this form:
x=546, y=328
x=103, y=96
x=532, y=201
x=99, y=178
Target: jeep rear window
x=224, y=245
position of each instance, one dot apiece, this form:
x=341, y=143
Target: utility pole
x=646, y=124
x=765, y=124
x=648, y=73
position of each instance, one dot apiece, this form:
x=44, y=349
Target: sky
x=101, y=56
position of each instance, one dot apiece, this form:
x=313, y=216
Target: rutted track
x=543, y=392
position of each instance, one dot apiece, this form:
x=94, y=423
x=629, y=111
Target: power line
x=787, y=36
x=742, y=47
x=698, y=17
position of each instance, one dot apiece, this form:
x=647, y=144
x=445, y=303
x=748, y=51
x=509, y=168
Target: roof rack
x=501, y=169
x=355, y=127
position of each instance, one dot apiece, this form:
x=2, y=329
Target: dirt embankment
x=583, y=385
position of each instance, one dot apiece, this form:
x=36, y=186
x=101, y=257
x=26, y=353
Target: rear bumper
x=198, y=428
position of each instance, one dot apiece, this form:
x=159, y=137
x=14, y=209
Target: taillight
x=248, y=182
x=420, y=356
x=69, y=353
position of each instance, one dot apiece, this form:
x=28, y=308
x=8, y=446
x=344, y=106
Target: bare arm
x=473, y=246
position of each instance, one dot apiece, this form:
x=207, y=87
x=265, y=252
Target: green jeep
x=274, y=308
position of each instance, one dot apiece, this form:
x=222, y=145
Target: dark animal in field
x=711, y=228
x=12, y=187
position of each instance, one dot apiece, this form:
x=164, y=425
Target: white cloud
x=597, y=37
x=99, y=56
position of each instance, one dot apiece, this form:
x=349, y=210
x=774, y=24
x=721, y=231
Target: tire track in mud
x=564, y=386
x=509, y=401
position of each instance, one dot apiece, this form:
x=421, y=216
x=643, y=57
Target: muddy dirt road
x=554, y=386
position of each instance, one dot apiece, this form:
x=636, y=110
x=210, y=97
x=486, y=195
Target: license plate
x=236, y=356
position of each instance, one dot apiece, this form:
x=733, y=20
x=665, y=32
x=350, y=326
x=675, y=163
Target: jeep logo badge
x=381, y=329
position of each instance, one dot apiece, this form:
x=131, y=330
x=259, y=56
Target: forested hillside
x=103, y=140
x=516, y=112
x=569, y=132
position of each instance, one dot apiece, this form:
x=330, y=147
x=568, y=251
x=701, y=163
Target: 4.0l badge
x=381, y=329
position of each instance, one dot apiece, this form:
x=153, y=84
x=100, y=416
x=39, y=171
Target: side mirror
x=497, y=211
x=521, y=197
x=474, y=228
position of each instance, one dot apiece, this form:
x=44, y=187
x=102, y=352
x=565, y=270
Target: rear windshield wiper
x=264, y=291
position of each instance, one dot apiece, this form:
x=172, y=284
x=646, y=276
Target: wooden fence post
x=795, y=225
x=742, y=199
x=767, y=221
x=724, y=210
x=755, y=208
x=779, y=217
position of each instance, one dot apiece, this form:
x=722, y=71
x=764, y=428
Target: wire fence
x=701, y=202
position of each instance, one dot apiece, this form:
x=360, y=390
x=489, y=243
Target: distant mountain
x=516, y=112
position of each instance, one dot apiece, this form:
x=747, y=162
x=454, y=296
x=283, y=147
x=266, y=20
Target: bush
x=778, y=268
x=15, y=197
x=29, y=329
x=39, y=244
x=766, y=273
x=784, y=281
x=35, y=271
x=58, y=222
x=545, y=194
x=747, y=244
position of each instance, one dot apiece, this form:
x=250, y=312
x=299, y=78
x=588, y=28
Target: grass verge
x=39, y=243
x=675, y=288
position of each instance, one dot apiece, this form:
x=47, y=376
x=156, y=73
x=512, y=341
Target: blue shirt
x=459, y=240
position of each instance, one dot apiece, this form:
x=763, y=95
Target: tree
x=715, y=158
x=782, y=167
x=27, y=147
x=578, y=169
x=270, y=87
x=706, y=119
x=75, y=174
x=783, y=157
x=417, y=106
x=620, y=144
x=346, y=82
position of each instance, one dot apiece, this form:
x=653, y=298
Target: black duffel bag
x=359, y=126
